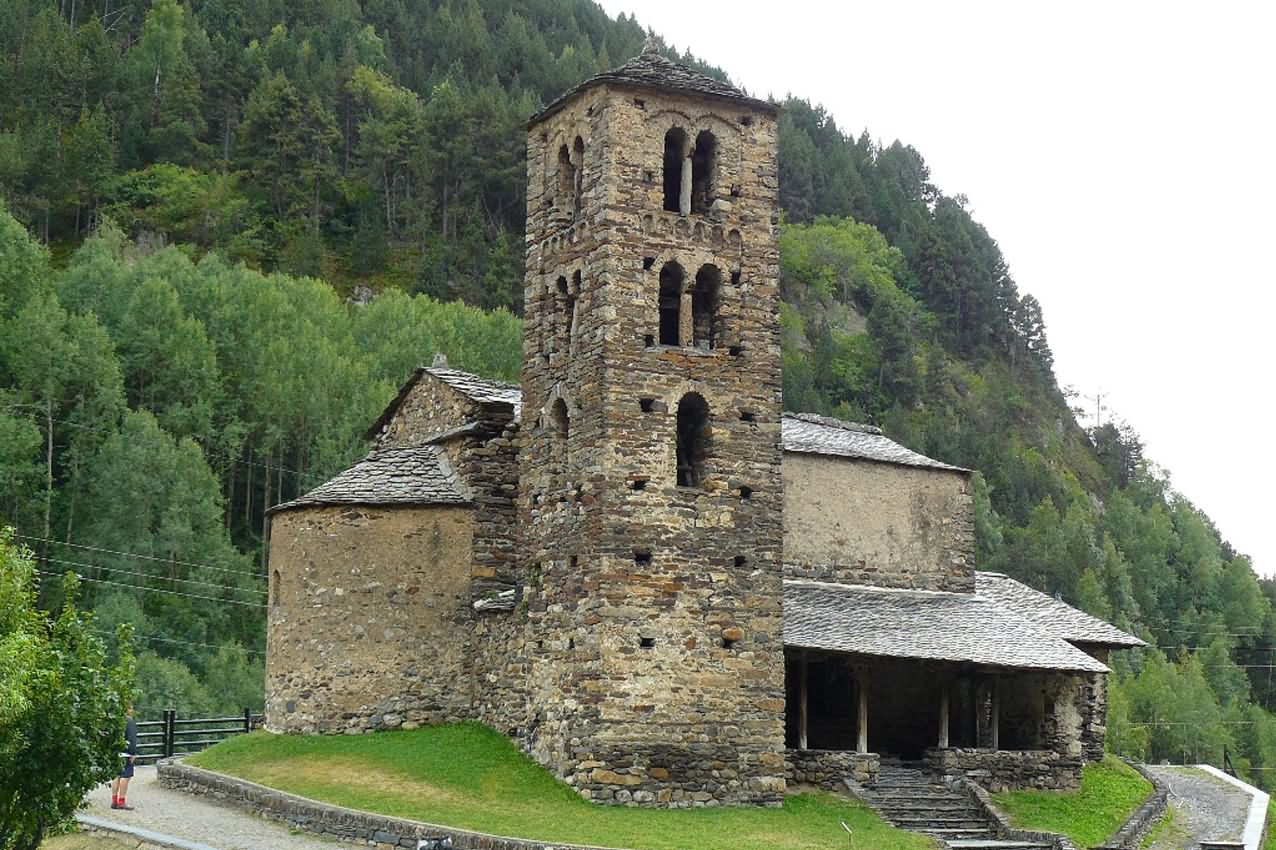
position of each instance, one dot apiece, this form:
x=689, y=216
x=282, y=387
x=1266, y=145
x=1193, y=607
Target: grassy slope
x=1110, y=792
x=470, y=777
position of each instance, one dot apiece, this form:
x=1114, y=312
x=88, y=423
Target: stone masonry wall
x=860, y=522
x=653, y=651
x=368, y=624
x=429, y=408
x=831, y=768
x=1007, y=770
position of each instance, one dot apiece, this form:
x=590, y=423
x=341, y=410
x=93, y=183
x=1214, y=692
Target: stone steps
x=909, y=799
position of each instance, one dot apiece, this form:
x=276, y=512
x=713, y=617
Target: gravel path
x=1206, y=808
x=194, y=819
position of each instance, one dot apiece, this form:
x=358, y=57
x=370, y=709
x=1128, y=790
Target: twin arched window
x=571, y=176
x=689, y=171
x=689, y=314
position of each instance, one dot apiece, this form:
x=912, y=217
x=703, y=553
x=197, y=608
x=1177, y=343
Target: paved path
x=193, y=819
x=1205, y=808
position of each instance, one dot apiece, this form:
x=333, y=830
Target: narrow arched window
x=566, y=179
x=578, y=174
x=705, y=328
x=558, y=419
x=675, y=157
x=671, y=289
x=704, y=168
x=274, y=589
x=692, y=439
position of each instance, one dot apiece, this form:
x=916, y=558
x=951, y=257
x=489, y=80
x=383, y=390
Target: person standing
x=119, y=787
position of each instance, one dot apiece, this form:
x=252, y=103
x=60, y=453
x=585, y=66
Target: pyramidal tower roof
x=651, y=70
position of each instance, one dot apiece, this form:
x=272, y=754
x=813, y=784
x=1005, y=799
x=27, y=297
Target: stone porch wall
x=831, y=768
x=1007, y=770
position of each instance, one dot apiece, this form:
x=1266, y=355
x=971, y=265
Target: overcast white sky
x=1121, y=153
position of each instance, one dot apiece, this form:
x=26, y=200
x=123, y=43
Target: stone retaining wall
x=1002, y=826
x=1131, y=834
x=1007, y=770
x=384, y=833
x=831, y=768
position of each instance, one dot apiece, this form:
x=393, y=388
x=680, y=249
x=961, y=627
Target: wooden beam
x=943, y=716
x=996, y=713
x=802, y=710
x=861, y=741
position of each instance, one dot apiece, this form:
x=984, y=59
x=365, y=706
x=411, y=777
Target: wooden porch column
x=943, y=717
x=802, y=706
x=861, y=741
x=995, y=721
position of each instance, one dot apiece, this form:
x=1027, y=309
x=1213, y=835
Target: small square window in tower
x=704, y=168
x=671, y=287
x=704, y=307
x=692, y=439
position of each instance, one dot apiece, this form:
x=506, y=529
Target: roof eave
x=557, y=105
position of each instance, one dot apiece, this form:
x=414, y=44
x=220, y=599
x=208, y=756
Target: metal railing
x=168, y=737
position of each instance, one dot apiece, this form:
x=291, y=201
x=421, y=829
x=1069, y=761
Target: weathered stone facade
x=830, y=769
x=607, y=564
x=367, y=618
x=655, y=609
x=862, y=522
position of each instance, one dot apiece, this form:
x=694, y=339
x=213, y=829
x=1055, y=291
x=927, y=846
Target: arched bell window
x=692, y=439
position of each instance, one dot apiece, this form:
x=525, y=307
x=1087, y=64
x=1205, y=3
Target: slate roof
x=650, y=69
x=417, y=475
x=812, y=434
x=921, y=625
x=471, y=386
x=1048, y=614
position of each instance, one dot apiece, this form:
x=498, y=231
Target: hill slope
x=381, y=146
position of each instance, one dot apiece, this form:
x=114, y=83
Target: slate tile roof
x=1048, y=614
x=416, y=475
x=650, y=69
x=807, y=432
x=922, y=625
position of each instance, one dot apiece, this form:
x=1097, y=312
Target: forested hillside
x=232, y=228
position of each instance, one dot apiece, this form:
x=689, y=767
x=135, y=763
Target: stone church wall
x=369, y=622
x=861, y=522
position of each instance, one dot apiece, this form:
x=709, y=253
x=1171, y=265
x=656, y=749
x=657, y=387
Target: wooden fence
x=158, y=739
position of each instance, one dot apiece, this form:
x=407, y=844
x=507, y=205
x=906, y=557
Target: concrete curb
x=1257, y=819
x=325, y=819
x=136, y=835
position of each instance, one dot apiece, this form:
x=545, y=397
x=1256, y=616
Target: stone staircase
x=911, y=799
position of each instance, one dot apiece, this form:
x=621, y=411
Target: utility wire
x=105, y=633
x=195, y=564
x=196, y=582
x=159, y=590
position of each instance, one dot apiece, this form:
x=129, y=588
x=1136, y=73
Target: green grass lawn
x=470, y=777
x=1110, y=792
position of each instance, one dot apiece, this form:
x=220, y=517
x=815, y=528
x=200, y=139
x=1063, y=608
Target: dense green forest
x=230, y=229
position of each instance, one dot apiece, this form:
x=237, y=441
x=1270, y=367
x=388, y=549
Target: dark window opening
x=274, y=589
x=704, y=307
x=560, y=419
x=746, y=120
x=746, y=492
x=573, y=561
x=675, y=154
x=647, y=263
x=735, y=278
x=740, y=560
x=748, y=416
x=704, y=168
x=566, y=179
x=639, y=484
x=640, y=103
x=642, y=557
x=729, y=643
x=692, y=439
x=646, y=404
x=671, y=285
x=649, y=340
x=646, y=642
x=649, y=177
x=578, y=175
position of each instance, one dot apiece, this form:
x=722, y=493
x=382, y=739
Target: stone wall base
x=830, y=769
x=685, y=776
x=1007, y=770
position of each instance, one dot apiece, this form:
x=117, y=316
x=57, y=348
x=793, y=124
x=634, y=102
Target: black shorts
x=127, y=771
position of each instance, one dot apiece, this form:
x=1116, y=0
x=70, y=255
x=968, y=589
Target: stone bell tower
x=649, y=486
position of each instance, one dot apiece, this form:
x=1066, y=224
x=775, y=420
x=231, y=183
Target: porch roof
x=1050, y=615
x=922, y=624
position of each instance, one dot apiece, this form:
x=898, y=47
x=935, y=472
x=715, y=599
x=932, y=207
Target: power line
x=195, y=564
x=196, y=582
x=158, y=590
x=184, y=642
